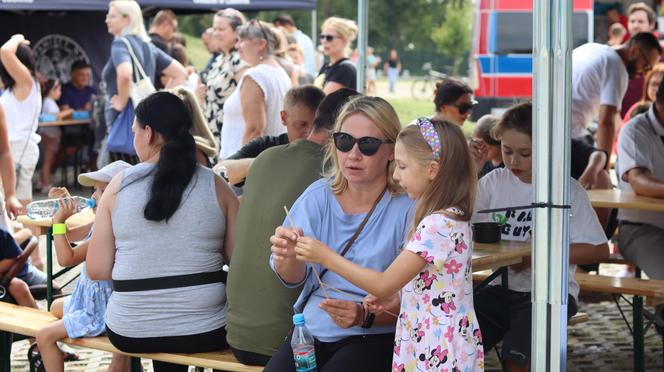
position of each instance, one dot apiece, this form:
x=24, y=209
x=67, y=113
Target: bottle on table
x=302, y=344
x=46, y=208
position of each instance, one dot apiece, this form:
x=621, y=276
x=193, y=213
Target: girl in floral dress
x=437, y=329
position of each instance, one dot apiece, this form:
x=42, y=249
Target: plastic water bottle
x=46, y=208
x=303, y=346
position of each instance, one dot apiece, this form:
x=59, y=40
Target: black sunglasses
x=368, y=146
x=465, y=107
x=327, y=38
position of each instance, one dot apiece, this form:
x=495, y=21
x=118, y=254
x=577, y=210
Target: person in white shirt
x=511, y=187
x=640, y=169
x=286, y=22
x=600, y=75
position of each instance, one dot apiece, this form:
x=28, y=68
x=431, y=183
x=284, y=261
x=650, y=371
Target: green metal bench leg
x=136, y=365
x=637, y=329
x=49, y=268
x=5, y=351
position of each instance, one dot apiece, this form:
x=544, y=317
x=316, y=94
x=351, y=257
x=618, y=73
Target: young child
x=51, y=91
x=484, y=148
x=509, y=187
x=437, y=328
x=17, y=288
x=83, y=313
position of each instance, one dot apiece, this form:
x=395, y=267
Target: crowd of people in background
x=378, y=211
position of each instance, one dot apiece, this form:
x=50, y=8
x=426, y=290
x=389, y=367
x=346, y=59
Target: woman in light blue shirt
x=359, y=184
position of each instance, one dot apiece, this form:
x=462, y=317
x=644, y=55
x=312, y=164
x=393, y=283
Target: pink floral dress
x=437, y=328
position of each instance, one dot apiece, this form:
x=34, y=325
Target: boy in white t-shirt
x=510, y=187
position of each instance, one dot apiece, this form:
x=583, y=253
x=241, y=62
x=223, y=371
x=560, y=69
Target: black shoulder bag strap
x=348, y=244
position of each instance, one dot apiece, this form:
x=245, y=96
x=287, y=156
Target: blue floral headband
x=430, y=136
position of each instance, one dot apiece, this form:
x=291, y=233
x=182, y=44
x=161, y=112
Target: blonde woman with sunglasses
x=339, y=72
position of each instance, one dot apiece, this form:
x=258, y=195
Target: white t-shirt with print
x=599, y=77
x=501, y=189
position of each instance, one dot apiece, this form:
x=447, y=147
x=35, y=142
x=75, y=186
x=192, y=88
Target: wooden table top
x=624, y=199
x=504, y=253
x=63, y=123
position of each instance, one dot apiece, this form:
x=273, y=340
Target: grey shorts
x=643, y=244
x=34, y=276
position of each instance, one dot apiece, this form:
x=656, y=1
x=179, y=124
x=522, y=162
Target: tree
x=453, y=36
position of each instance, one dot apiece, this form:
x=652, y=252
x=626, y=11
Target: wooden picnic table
x=45, y=226
x=63, y=123
x=497, y=255
x=615, y=198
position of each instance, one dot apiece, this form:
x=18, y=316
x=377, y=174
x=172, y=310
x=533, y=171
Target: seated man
x=259, y=306
x=640, y=169
x=77, y=93
x=17, y=288
x=300, y=105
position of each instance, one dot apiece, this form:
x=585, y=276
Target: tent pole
x=314, y=27
x=362, y=38
x=552, y=68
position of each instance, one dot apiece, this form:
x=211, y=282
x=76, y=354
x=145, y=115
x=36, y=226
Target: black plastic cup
x=486, y=232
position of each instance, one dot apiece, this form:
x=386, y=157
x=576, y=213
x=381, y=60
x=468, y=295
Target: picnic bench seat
x=651, y=289
x=27, y=321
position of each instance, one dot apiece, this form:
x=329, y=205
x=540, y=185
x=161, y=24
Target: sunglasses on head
x=368, y=146
x=327, y=38
x=465, y=107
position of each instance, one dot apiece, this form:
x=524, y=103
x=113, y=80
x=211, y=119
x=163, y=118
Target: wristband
x=368, y=321
x=59, y=229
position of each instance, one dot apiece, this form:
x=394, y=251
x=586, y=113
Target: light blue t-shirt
x=319, y=214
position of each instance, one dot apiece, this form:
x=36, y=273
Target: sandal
x=34, y=359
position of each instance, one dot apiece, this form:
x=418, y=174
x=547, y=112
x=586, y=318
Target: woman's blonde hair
x=382, y=114
x=131, y=9
x=455, y=183
x=203, y=137
x=346, y=28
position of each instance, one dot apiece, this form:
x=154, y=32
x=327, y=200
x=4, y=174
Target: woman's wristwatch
x=367, y=317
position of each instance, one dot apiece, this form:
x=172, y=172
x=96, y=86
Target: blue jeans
x=392, y=75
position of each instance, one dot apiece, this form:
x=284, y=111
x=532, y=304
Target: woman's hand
x=13, y=207
x=312, y=250
x=200, y=93
x=66, y=208
x=20, y=39
x=118, y=104
x=345, y=314
x=283, y=242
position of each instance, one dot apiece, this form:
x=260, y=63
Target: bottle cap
x=91, y=203
x=298, y=319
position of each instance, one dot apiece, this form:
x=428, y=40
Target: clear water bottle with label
x=303, y=346
x=46, y=208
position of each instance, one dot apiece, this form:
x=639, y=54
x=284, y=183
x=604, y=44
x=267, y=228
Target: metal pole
x=314, y=27
x=552, y=67
x=362, y=38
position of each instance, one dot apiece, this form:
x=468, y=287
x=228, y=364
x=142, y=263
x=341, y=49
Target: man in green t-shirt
x=260, y=308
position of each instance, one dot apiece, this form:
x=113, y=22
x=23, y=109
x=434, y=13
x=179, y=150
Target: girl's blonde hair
x=203, y=137
x=346, y=28
x=131, y=9
x=455, y=183
x=382, y=114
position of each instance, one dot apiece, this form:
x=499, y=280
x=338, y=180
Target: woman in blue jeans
x=359, y=186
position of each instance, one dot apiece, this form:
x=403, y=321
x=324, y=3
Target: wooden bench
x=27, y=321
x=652, y=290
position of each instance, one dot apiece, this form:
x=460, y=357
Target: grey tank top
x=190, y=242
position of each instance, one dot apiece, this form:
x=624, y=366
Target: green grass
x=196, y=52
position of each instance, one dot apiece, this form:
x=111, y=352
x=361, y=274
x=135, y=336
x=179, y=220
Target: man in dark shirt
x=77, y=93
x=300, y=106
x=163, y=27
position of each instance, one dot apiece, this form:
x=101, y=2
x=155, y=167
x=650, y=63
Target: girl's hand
x=345, y=314
x=13, y=207
x=589, y=178
x=377, y=305
x=58, y=192
x=117, y=104
x=283, y=242
x=20, y=39
x=66, y=208
x=312, y=250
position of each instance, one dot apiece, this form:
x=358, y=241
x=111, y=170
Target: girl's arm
x=15, y=68
x=596, y=164
x=65, y=254
x=7, y=171
x=404, y=268
x=253, y=110
x=584, y=254
x=64, y=113
x=101, y=250
x=229, y=205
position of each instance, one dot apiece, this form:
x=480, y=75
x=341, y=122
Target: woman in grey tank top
x=163, y=230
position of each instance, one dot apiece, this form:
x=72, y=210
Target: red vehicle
x=501, y=67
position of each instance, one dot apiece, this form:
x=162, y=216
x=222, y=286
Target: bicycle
x=423, y=87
